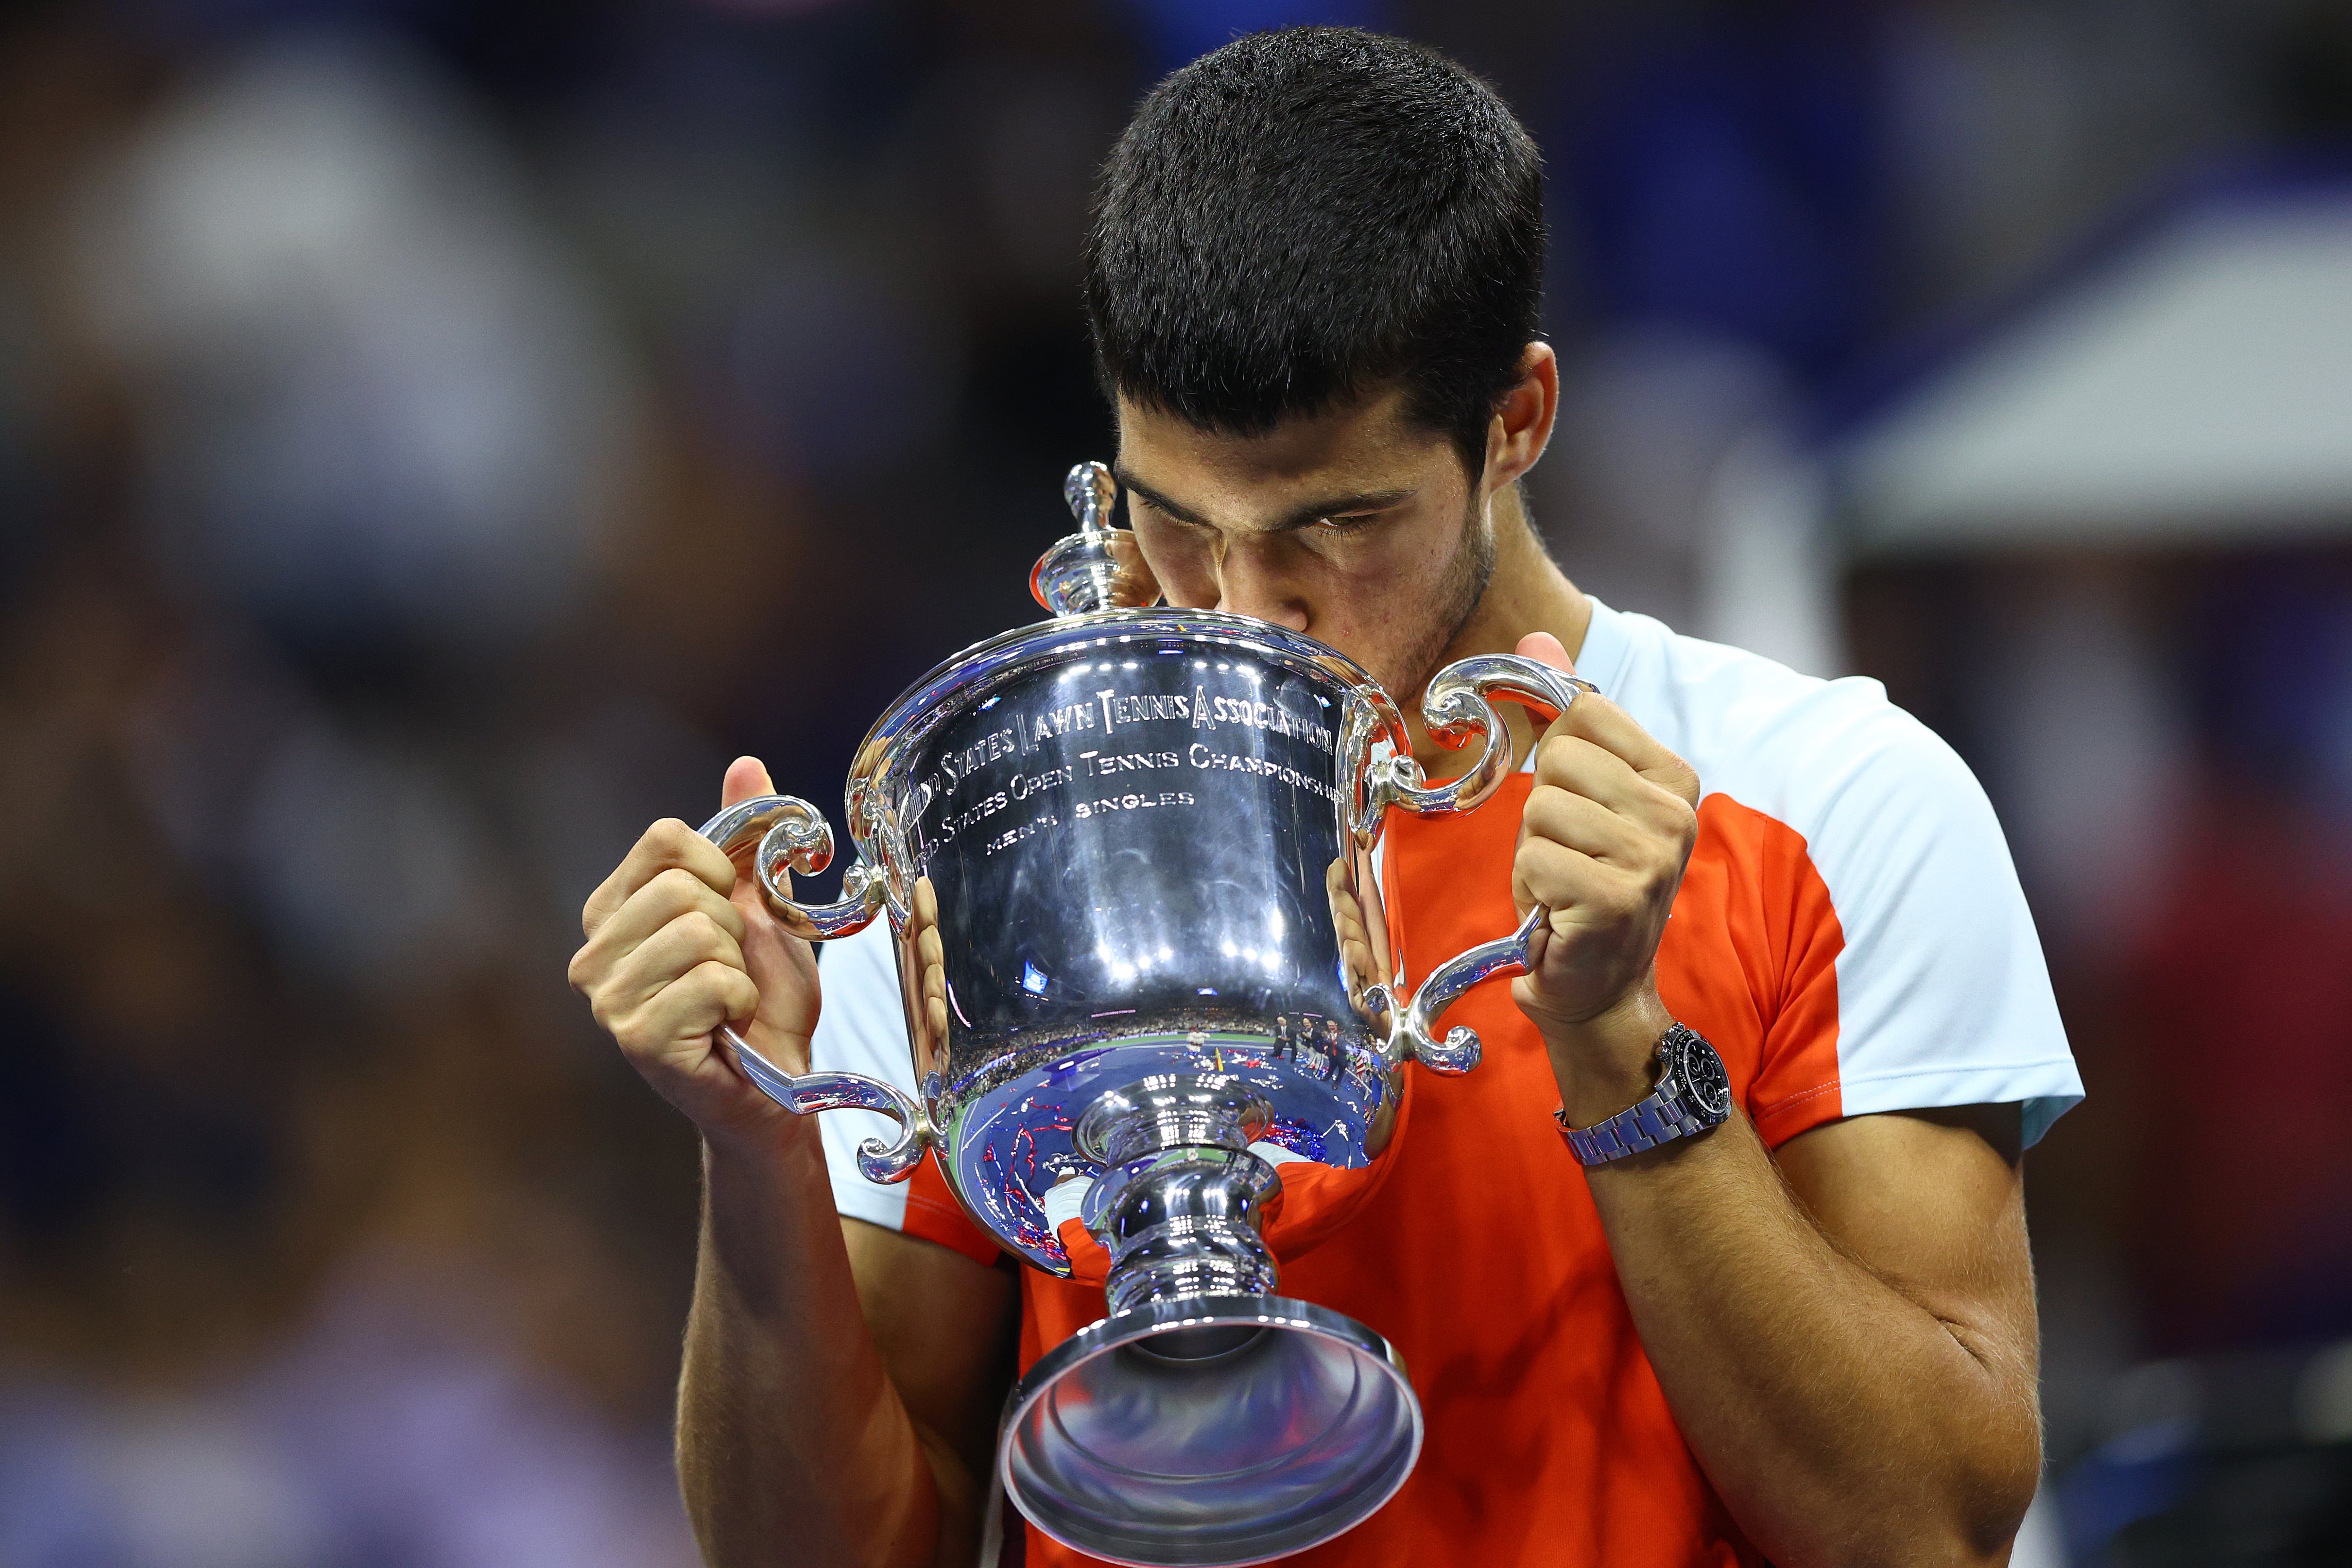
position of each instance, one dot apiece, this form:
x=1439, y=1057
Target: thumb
x=746, y=776
x=1545, y=649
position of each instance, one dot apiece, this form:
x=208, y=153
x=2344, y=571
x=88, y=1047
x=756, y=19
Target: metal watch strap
x=1660, y=1117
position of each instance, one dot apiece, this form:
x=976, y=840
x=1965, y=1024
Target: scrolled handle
x=1461, y=1048
x=1458, y=708
x=805, y=1094
x=792, y=833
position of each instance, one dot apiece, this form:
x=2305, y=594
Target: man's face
x=1357, y=527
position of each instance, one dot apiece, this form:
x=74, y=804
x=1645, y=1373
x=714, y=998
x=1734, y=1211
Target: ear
x=1521, y=427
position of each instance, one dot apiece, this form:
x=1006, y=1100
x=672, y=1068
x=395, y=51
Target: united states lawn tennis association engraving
x=1108, y=713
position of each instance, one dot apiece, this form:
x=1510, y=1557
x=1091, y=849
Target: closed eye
x=1146, y=503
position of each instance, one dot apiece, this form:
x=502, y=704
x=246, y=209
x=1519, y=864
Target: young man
x=1805, y=1333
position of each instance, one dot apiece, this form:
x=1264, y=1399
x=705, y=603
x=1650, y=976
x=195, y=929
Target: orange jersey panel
x=1476, y=1248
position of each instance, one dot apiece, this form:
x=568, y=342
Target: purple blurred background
x=435, y=437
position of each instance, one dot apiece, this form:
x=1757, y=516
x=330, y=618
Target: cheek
x=1384, y=594
x=1182, y=567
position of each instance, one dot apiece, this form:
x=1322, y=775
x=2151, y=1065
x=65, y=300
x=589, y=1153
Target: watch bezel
x=1687, y=1050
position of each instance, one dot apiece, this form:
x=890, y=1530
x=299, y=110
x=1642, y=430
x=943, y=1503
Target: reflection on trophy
x=1140, y=844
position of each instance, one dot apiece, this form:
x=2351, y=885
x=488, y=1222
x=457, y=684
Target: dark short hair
x=1307, y=215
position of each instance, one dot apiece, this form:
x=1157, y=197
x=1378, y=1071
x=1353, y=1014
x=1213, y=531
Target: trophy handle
x=1459, y=705
x=794, y=832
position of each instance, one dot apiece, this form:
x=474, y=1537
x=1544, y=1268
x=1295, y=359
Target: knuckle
x=730, y=991
x=665, y=839
x=677, y=886
x=711, y=939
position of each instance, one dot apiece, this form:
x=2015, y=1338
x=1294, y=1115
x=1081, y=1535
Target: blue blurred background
x=435, y=437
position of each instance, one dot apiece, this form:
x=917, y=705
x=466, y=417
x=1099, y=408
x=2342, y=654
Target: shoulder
x=1823, y=758
x=1913, y=975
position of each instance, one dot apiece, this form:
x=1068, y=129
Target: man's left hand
x=1607, y=832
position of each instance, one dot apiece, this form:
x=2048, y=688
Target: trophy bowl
x=1128, y=860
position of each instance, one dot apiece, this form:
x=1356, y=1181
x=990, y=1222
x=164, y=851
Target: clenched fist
x=1608, y=829
x=680, y=942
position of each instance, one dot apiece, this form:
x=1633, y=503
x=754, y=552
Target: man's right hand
x=679, y=941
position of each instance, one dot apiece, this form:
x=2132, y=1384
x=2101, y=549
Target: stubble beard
x=1455, y=600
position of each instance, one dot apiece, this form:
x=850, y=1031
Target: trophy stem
x=1207, y=1421
x=1181, y=1198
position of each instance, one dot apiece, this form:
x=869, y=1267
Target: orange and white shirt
x=1851, y=936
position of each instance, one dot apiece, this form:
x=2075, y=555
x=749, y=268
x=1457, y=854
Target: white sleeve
x=862, y=1028
x=1943, y=996
x=1909, y=973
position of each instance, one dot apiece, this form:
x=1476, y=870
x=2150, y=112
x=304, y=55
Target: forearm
x=1841, y=1420
x=792, y=1446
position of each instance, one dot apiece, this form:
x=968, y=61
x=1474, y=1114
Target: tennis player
x=1721, y=1256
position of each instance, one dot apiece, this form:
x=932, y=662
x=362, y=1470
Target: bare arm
x=838, y=1403
x=1851, y=1352
x=841, y=1382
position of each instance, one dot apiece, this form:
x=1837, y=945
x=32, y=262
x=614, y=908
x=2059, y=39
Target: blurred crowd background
x=436, y=435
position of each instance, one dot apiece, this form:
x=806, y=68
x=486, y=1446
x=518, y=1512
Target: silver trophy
x=1139, y=835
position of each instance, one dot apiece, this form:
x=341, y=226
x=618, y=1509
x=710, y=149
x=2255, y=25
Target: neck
x=1528, y=592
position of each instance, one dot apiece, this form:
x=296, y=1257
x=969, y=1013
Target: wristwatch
x=1694, y=1093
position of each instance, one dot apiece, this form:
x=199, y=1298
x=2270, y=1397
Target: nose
x=1248, y=583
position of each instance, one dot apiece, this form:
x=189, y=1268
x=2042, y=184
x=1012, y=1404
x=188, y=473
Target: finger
x=1580, y=766
x=930, y=959
x=690, y=1007
x=746, y=777
x=664, y=898
x=1592, y=717
x=685, y=943
x=1545, y=649
x=1347, y=913
x=1577, y=822
x=666, y=844
x=1577, y=888
x=933, y=960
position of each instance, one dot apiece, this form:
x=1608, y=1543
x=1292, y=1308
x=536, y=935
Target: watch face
x=1704, y=1084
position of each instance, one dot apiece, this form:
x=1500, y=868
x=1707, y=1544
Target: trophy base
x=1210, y=1433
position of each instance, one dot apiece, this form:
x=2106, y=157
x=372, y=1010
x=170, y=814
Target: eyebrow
x=1296, y=519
